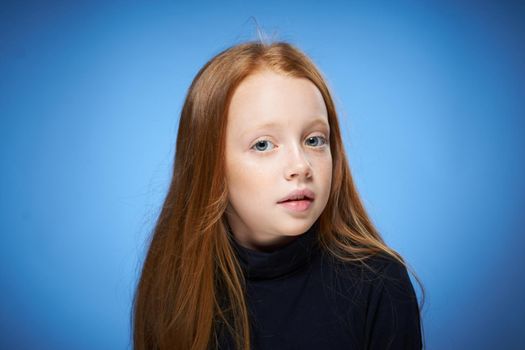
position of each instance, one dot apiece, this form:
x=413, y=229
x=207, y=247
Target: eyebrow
x=270, y=125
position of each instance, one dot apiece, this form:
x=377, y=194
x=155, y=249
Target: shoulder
x=393, y=317
x=378, y=279
x=377, y=271
x=387, y=272
x=382, y=291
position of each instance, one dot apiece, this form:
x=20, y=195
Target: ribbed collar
x=258, y=265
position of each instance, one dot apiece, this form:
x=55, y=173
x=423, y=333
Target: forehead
x=267, y=99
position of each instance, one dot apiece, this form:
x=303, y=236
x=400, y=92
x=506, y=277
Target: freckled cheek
x=328, y=166
x=323, y=169
x=323, y=164
x=247, y=177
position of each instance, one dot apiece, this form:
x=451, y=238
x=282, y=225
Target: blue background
x=431, y=99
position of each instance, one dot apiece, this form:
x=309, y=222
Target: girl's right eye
x=260, y=145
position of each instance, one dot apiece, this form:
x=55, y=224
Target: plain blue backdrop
x=431, y=100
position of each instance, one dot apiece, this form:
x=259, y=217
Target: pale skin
x=277, y=141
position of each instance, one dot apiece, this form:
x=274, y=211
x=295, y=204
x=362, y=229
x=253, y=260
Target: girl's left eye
x=319, y=143
x=314, y=141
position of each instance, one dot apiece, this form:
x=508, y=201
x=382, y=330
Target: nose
x=298, y=165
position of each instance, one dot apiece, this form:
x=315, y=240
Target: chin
x=295, y=229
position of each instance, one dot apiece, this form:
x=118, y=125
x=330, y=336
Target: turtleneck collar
x=259, y=265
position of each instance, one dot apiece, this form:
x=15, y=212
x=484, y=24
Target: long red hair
x=191, y=279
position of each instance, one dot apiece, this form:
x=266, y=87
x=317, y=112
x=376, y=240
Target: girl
x=263, y=241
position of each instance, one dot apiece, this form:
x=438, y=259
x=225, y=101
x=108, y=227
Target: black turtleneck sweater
x=300, y=297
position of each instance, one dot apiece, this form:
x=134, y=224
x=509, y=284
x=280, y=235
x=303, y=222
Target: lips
x=297, y=205
x=303, y=194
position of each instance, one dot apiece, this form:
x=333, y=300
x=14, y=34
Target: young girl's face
x=277, y=142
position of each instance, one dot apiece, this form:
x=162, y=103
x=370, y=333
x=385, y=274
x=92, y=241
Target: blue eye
x=321, y=138
x=261, y=143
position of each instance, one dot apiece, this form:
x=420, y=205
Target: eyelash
x=322, y=138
